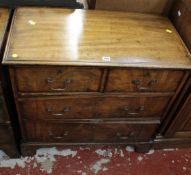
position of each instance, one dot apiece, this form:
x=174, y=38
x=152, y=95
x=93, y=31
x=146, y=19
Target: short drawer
x=83, y=107
x=5, y=134
x=127, y=80
x=57, y=79
x=38, y=131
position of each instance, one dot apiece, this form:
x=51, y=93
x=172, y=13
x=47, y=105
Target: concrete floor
x=100, y=160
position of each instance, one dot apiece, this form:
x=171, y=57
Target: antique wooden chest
x=93, y=77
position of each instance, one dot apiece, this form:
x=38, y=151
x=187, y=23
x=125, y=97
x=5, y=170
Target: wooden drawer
x=131, y=107
x=5, y=134
x=124, y=80
x=57, y=132
x=181, y=17
x=123, y=132
x=57, y=79
x=83, y=107
x=37, y=131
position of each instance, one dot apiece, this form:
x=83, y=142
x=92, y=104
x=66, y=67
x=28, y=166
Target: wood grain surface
x=77, y=37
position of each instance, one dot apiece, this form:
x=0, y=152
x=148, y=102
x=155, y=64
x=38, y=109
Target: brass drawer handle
x=57, y=137
x=57, y=114
x=140, y=109
x=57, y=89
x=150, y=83
x=66, y=109
x=66, y=82
x=50, y=80
x=125, y=137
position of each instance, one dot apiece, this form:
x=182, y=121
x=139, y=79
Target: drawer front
x=57, y=132
x=57, y=108
x=123, y=132
x=5, y=134
x=124, y=80
x=76, y=107
x=131, y=107
x=58, y=79
x=88, y=132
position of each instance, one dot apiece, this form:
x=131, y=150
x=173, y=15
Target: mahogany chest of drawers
x=93, y=77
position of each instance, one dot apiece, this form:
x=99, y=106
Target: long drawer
x=57, y=79
x=145, y=80
x=5, y=134
x=83, y=107
x=44, y=131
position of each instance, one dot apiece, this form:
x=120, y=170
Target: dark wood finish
x=172, y=105
x=5, y=134
x=91, y=4
x=57, y=132
x=177, y=13
x=88, y=132
x=30, y=148
x=181, y=125
x=123, y=133
x=141, y=6
x=55, y=3
x=88, y=107
x=162, y=143
x=181, y=17
x=185, y=29
x=176, y=129
x=11, y=150
x=58, y=79
x=7, y=137
x=124, y=80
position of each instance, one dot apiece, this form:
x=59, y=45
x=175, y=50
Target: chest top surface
x=4, y=15
x=53, y=36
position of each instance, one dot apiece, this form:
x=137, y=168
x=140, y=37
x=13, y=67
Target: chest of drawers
x=93, y=77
